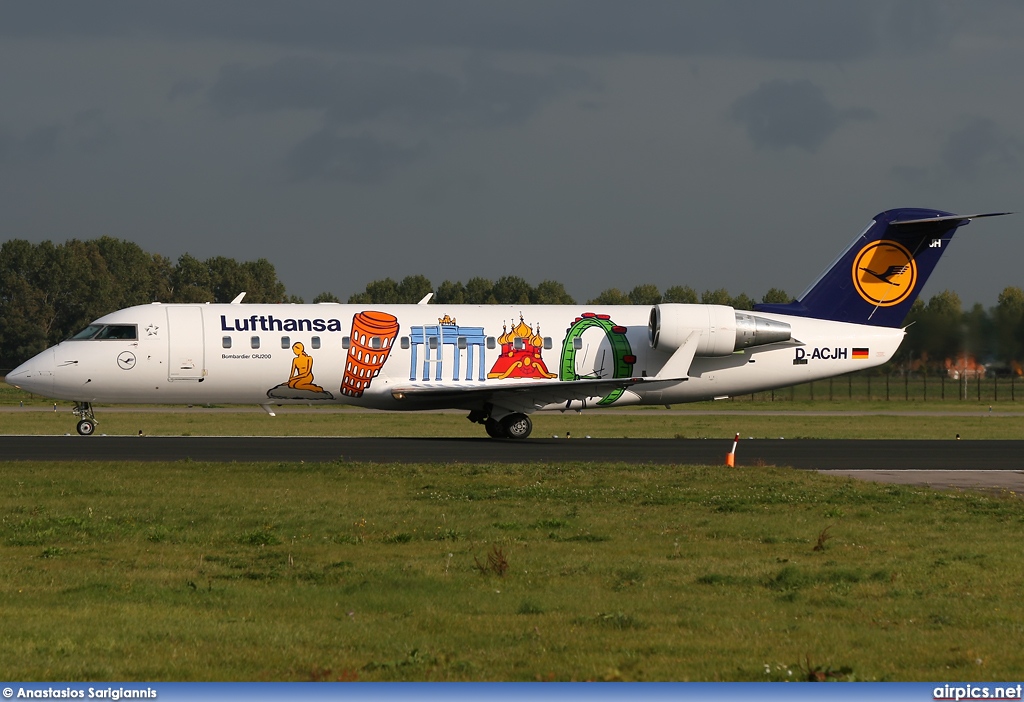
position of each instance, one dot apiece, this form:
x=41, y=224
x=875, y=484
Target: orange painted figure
x=301, y=377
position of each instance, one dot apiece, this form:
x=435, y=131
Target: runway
x=817, y=454
x=936, y=463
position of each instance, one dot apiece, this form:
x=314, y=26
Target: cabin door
x=187, y=343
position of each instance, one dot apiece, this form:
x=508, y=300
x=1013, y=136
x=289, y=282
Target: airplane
x=545, y=357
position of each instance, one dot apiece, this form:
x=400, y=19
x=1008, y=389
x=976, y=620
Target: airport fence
x=898, y=387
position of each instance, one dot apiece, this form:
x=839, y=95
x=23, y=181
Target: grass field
x=191, y=571
x=348, y=571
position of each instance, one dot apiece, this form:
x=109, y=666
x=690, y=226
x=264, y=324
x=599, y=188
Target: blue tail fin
x=878, y=277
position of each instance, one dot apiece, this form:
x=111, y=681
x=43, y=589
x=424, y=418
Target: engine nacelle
x=722, y=329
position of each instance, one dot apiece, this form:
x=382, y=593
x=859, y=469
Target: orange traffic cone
x=730, y=458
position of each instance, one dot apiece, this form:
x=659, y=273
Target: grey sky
x=712, y=144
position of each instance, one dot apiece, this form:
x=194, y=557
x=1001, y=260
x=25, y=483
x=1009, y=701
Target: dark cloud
x=781, y=114
x=325, y=155
x=184, y=88
x=41, y=141
x=87, y=131
x=359, y=95
x=37, y=145
x=979, y=146
x=358, y=92
x=92, y=132
x=786, y=29
x=804, y=30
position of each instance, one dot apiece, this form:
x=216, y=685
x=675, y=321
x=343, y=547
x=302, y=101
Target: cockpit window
x=109, y=331
x=119, y=331
x=89, y=332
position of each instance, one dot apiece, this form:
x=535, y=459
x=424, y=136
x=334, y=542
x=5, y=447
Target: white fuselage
x=367, y=354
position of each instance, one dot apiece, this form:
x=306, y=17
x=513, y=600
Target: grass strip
x=347, y=571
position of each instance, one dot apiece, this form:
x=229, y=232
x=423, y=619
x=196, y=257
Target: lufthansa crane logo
x=884, y=273
x=126, y=361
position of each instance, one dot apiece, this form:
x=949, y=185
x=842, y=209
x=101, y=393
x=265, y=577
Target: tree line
x=49, y=291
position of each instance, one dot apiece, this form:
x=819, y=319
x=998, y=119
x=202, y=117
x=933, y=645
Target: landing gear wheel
x=517, y=426
x=494, y=429
x=86, y=427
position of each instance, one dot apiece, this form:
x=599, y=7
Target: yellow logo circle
x=884, y=273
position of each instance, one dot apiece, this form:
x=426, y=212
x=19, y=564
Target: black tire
x=494, y=429
x=86, y=427
x=517, y=426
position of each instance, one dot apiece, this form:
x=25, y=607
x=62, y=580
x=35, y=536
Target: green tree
x=980, y=341
x=716, y=297
x=742, y=302
x=190, y=281
x=776, y=296
x=378, y=292
x=645, y=294
x=138, y=278
x=550, y=292
x=512, y=290
x=480, y=291
x=935, y=331
x=1009, y=325
x=413, y=288
x=681, y=294
x=325, y=297
x=21, y=303
x=449, y=293
x=611, y=296
x=264, y=285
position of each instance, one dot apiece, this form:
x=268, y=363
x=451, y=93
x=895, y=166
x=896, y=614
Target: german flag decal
x=860, y=354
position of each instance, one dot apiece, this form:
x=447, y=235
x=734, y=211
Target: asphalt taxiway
x=817, y=454
x=936, y=463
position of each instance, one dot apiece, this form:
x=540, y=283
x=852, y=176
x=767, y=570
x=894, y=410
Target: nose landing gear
x=87, y=420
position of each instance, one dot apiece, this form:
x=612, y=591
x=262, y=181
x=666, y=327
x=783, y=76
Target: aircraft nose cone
x=34, y=375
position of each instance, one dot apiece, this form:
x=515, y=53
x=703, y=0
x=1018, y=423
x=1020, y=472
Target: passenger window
x=405, y=342
x=432, y=342
x=491, y=343
x=346, y=341
x=375, y=342
x=547, y=342
x=286, y=342
x=315, y=342
x=226, y=342
x=255, y=342
x=577, y=343
x=518, y=343
x=462, y=342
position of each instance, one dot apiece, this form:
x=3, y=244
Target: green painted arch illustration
x=622, y=352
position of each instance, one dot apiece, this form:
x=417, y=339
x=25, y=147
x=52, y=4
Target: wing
x=515, y=395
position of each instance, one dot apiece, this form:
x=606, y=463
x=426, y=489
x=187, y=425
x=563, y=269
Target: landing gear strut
x=511, y=426
x=87, y=421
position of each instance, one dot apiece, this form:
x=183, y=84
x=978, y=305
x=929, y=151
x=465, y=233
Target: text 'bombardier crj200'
x=502, y=363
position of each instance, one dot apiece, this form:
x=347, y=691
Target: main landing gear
x=510, y=426
x=87, y=420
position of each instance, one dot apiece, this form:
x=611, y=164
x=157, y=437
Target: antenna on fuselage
x=238, y=300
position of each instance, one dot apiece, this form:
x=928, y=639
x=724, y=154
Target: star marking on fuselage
x=152, y=329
